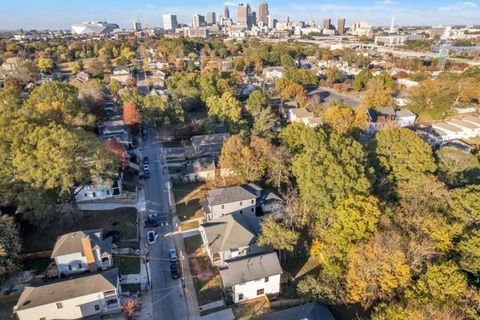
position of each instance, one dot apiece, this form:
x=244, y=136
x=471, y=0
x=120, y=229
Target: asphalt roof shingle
x=230, y=194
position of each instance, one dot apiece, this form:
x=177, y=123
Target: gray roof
x=231, y=231
x=72, y=242
x=250, y=268
x=230, y=194
x=67, y=289
x=405, y=113
x=302, y=113
x=309, y=311
x=206, y=139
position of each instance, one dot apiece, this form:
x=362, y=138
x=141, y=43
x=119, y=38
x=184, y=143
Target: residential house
x=82, y=251
x=304, y=116
x=271, y=74
x=224, y=201
x=380, y=118
x=231, y=236
x=83, y=76
x=251, y=277
x=201, y=169
x=464, y=128
x=206, y=145
x=270, y=202
x=99, y=191
x=115, y=128
x=89, y=296
x=121, y=74
x=309, y=311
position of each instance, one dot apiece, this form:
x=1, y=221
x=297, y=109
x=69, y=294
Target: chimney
x=87, y=250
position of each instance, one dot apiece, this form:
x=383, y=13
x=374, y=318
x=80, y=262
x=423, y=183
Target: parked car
x=145, y=160
x=146, y=167
x=152, y=237
x=174, y=271
x=172, y=255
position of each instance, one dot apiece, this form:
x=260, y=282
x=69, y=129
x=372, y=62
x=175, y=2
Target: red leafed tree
x=131, y=116
x=129, y=307
x=114, y=146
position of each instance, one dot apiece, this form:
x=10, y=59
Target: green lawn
x=43, y=238
x=133, y=287
x=187, y=197
x=192, y=244
x=127, y=264
x=208, y=291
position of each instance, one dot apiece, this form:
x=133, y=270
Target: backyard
x=43, y=238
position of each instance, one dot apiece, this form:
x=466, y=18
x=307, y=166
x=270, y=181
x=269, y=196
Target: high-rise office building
x=137, y=26
x=244, y=15
x=226, y=13
x=211, y=18
x=198, y=21
x=341, y=26
x=327, y=23
x=170, y=22
x=272, y=23
x=262, y=14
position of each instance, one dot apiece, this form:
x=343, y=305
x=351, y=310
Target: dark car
x=153, y=220
x=174, y=271
x=172, y=255
x=145, y=160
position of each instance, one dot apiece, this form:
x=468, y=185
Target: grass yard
x=133, y=287
x=127, y=264
x=43, y=238
x=187, y=197
x=192, y=244
x=208, y=291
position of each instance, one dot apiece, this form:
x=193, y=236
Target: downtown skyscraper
x=262, y=14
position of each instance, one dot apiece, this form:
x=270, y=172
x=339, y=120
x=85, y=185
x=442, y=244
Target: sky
x=61, y=14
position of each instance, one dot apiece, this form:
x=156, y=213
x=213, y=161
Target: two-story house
x=231, y=236
x=251, y=277
x=82, y=251
x=223, y=201
x=89, y=296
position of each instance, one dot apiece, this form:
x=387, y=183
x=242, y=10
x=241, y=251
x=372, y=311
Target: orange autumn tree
x=114, y=146
x=131, y=116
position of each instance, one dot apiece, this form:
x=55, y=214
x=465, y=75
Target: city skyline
x=56, y=14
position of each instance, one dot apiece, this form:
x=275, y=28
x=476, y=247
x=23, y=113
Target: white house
x=91, y=192
x=251, y=277
x=273, y=73
x=121, y=74
x=82, y=251
x=465, y=128
x=380, y=118
x=79, y=298
x=304, y=116
x=231, y=236
x=224, y=201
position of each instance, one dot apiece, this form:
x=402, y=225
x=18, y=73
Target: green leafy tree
x=361, y=80
x=225, y=108
x=376, y=96
x=114, y=86
x=263, y=122
x=465, y=204
x=45, y=64
x=10, y=245
x=457, y=168
x=277, y=235
x=467, y=248
x=333, y=74
x=343, y=119
x=256, y=101
x=402, y=154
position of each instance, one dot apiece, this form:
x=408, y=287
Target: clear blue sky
x=56, y=14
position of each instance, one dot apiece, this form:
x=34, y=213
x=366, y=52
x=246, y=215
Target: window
x=241, y=203
x=79, y=266
x=241, y=211
x=252, y=209
x=223, y=207
x=83, y=254
x=69, y=268
x=59, y=305
x=97, y=307
x=260, y=292
x=266, y=279
x=253, y=201
x=85, y=195
x=94, y=194
x=108, y=192
x=240, y=296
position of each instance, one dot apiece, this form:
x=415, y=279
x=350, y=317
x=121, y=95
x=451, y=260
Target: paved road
x=326, y=96
x=167, y=294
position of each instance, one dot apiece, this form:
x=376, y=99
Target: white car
x=152, y=237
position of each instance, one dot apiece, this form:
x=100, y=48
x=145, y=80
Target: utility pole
x=443, y=52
